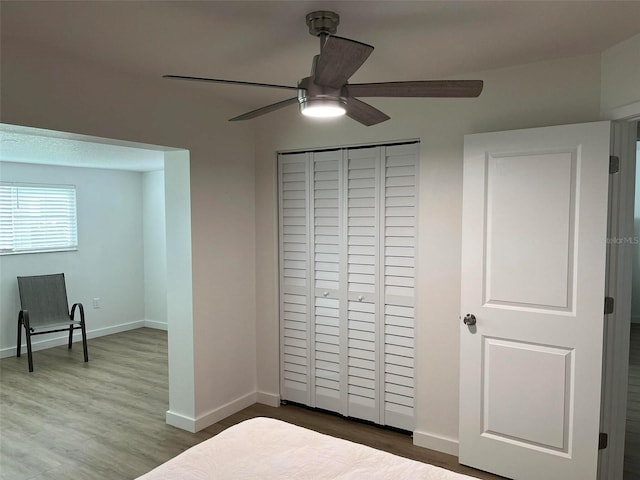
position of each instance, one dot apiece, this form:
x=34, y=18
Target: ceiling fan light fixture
x=322, y=107
x=327, y=93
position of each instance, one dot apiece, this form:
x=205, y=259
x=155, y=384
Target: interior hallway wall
x=635, y=292
x=620, y=75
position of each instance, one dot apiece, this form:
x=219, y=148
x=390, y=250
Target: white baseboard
x=101, y=332
x=77, y=337
x=180, y=421
x=435, y=442
x=157, y=325
x=270, y=399
x=224, y=411
x=214, y=416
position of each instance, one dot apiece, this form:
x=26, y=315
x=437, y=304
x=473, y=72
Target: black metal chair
x=44, y=309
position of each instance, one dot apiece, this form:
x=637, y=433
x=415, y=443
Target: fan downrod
x=323, y=23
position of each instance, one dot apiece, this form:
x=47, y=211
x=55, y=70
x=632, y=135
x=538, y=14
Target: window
x=37, y=218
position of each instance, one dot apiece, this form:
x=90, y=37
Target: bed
x=269, y=449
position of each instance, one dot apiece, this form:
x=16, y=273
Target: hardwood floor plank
x=105, y=420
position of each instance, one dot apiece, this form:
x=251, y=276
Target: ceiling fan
x=327, y=93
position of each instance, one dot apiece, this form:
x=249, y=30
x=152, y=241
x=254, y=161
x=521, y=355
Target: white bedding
x=268, y=449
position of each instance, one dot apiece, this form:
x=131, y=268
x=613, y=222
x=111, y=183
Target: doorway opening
x=154, y=176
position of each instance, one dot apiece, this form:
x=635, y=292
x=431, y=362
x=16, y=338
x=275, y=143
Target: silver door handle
x=469, y=319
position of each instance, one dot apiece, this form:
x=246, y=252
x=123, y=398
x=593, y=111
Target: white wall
x=108, y=263
x=155, y=250
x=621, y=75
x=549, y=93
x=635, y=291
x=47, y=89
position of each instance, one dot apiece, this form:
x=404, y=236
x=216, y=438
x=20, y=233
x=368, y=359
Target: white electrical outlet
x=96, y=303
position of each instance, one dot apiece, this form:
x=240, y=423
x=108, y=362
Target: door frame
x=619, y=260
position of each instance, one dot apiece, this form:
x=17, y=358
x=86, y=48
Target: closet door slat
x=400, y=226
x=295, y=308
x=326, y=211
x=363, y=173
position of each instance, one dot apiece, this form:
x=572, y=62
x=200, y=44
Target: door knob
x=469, y=319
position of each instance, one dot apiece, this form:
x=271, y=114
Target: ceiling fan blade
x=339, y=59
x=426, y=88
x=364, y=113
x=231, y=82
x=269, y=108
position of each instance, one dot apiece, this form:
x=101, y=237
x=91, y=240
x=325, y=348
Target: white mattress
x=268, y=449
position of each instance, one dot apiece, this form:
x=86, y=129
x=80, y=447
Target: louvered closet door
x=295, y=282
x=327, y=212
x=399, y=227
x=363, y=173
x=347, y=281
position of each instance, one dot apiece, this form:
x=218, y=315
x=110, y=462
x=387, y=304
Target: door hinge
x=603, y=441
x=608, y=305
x=614, y=164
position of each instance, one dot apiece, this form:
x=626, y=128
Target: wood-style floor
x=105, y=420
x=632, y=434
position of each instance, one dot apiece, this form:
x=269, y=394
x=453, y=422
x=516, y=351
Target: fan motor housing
x=309, y=90
x=323, y=22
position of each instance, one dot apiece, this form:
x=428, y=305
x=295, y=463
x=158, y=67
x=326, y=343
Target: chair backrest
x=45, y=296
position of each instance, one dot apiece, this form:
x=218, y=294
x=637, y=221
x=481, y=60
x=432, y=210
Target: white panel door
x=327, y=240
x=398, y=232
x=533, y=275
x=295, y=307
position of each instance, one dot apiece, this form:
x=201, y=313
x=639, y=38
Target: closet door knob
x=325, y=294
x=360, y=298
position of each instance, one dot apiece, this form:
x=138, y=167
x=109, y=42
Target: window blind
x=37, y=218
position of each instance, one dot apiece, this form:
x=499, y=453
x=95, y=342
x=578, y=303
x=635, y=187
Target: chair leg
x=70, y=335
x=84, y=342
x=19, y=347
x=29, y=355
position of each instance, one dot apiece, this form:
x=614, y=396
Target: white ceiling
x=46, y=147
x=268, y=41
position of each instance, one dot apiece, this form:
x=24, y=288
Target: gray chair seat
x=64, y=324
